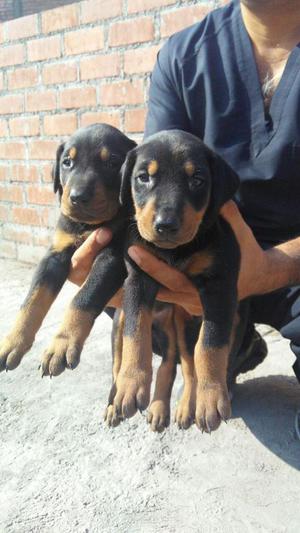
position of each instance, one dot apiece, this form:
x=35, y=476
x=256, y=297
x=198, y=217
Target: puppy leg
x=185, y=410
x=134, y=379
x=106, y=277
x=48, y=280
x=110, y=415
x=211, y=357
x=159, y=410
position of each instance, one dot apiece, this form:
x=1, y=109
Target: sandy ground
x=62, y=470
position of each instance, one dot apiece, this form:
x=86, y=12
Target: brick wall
x=61, y=69
x=10, y=9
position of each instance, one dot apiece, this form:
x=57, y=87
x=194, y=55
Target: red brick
x=113, y=118
x=24, y=126
x=21, y=28
x=3, y=128
x=22, y=77
x=42, y=149
x=62, y=124
x=100, y=66
x=78, y=97
x=181, y=18
x=17, y=234
x=26, y=216
x=140, y=60
x=12, y=150
x=11, y=104
x=103, y=9
x=1, y=81
x=4, y=213
x=59, y=73
x=48, y=217
x=42, y=49
x=43, y=238
x=40, y=195
x=40, y=101
x=137, y=30
x=135, y=120
x=4, y=173
x=60, y=18
x=12, y=55
x=13, y=193
x=122, y=93
x=80, y=41
x=2, y=38
x=134, y=6
x=46, y=171
x=8, y=249
x=24, y=173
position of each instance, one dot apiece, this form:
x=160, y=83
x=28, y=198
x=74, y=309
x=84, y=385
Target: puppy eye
x=143, y=177
x=67, y=162
x=197, y=180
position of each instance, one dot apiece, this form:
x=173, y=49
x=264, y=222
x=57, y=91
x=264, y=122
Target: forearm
x=283, y=266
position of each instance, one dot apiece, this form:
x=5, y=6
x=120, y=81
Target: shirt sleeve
x=166, y=109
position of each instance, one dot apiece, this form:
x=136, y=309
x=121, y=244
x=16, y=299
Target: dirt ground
x=62, y=470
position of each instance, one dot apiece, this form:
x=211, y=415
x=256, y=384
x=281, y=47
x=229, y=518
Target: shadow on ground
x=268, y=406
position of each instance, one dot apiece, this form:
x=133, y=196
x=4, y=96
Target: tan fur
x=185, y=411
x=145, y=219
x=28, y=322
x=189, y=167
x=118, y=347
x=104, y=154
x=72, y=152
x=198, y=262
x=103, y=202
x=153, y=167
x=159, y=410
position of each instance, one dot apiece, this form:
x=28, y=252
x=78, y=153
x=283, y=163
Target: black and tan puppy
x=177, y=186
x=87, y=178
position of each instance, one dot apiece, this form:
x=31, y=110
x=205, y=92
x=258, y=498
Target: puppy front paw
x=159, y=415
x=64, y=352
x=213, y=406
x=132, y=391
x=12, y=349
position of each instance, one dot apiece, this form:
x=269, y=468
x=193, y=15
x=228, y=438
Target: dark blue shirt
x=206, y=82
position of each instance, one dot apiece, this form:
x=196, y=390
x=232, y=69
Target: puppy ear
x=225, y=181
x=126, y=172
x=55, y=171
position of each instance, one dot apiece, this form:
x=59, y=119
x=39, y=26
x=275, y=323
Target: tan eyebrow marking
x=152, y=167
x=72, y=152
x=104, y=153
x=189, y=167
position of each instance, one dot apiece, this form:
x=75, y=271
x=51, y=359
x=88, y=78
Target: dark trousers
x=281, y=310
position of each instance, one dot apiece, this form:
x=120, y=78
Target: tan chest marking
x=63, y=240
x=199, y=262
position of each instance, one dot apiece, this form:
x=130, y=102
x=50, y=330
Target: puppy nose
x=166, y=224
x=79, y=197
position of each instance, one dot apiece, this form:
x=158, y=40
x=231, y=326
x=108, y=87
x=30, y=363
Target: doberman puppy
x=176, y=186
x=87, y=177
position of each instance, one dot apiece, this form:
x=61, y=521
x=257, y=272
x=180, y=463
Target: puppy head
x=175, y=184
x=86, y=173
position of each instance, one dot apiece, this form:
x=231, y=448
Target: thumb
x=84, y=256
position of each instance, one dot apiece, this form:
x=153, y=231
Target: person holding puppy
x=234, y=81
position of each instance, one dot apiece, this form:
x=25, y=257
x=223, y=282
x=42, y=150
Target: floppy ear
x=225, y=181
x=55, y=171
x=126, y=172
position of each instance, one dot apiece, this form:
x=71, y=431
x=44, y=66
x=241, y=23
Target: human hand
x=178, y=289
x=82, y=260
